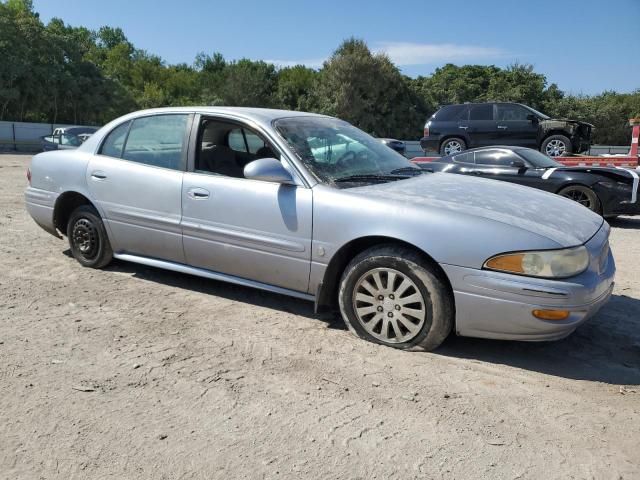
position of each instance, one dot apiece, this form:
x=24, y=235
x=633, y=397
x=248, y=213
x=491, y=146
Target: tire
x=452, y=145
x=584, y=196
x=88, y=238
x=556, y=146
x=418, y=314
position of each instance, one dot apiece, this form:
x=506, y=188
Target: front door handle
x=464, y=127
x=98, y=175
x=502, y=127
x=198, y=193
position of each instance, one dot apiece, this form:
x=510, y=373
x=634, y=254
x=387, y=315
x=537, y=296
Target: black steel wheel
x=88, y=238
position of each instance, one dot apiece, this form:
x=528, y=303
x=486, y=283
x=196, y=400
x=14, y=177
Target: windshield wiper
x=416, y=170
x=372, y=177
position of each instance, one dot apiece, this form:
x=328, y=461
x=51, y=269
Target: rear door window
x=112, y=145
x=465, y=157
x=481, y=112
x=157, y=141
x=450, y=113
x=495, y=157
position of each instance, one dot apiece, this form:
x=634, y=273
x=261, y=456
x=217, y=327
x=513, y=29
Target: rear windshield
x=449, y=113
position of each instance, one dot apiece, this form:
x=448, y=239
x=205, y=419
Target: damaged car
x=455, y=128
x=608, y=191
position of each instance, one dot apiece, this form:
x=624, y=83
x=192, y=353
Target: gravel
x=131, y=372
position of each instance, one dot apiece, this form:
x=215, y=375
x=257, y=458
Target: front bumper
x=499, y=306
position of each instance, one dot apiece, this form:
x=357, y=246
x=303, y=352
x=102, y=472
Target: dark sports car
x=608, y=191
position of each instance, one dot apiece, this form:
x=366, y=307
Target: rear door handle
x=464, y=127
x=502, y=127
x=98, y=175
x=198, y=193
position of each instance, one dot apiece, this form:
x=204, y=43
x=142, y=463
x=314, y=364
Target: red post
x=635, y=134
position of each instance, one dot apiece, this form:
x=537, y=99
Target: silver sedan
x=309, y=206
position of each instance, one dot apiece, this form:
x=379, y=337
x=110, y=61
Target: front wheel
x=391, y=296
x=88, y=238
x=584, y=196
x=556, y=146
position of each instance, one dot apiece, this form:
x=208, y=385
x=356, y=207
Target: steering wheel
x=344, y=160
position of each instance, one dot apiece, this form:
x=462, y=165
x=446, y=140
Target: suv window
x=450, y=113
x=157, y=140
x=112, y=145
x=508, y=113
x=494, y=157
x=481, y=112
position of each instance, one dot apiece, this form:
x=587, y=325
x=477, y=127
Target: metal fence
x=414, y=150
x=25, y=136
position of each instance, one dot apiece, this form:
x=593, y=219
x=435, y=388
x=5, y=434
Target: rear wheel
x=583, y=195
x=556, y=146
x=88, y=238
x=452, y=145
x=389, y=295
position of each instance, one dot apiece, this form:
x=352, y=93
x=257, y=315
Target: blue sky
x=585, y=46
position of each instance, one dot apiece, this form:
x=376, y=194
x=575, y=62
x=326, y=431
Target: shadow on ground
x=605, y=349
x=626, y=222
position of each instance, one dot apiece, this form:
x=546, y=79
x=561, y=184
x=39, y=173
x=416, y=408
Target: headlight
x=617, y=185
x=544, y=264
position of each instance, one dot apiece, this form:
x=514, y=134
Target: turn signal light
x=551, y=314
x=507, y=263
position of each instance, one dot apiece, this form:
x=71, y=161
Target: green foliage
x=60, y=73
x=369, y=91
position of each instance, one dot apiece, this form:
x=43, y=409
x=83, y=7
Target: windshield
x=537, y=113
x=537, y=159
x=336, y=151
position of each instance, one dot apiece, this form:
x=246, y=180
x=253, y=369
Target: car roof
x=263, y=114
x=483, y=103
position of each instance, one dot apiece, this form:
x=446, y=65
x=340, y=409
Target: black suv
x=454, y=128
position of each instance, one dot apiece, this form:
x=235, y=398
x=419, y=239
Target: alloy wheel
x=579, y=196
x=389, y=305
x=555, y=148
x=452, y=146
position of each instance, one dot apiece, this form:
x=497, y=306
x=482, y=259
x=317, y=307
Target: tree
x=368, y=91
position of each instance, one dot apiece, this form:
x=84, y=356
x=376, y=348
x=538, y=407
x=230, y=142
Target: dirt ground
x=132, y=372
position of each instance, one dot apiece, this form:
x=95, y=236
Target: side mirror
x=517, y=163
x=532, y=118
x=268, y=170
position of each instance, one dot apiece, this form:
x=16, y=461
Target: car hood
x=559, y=219
x=620, y=174
x=567, y=120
